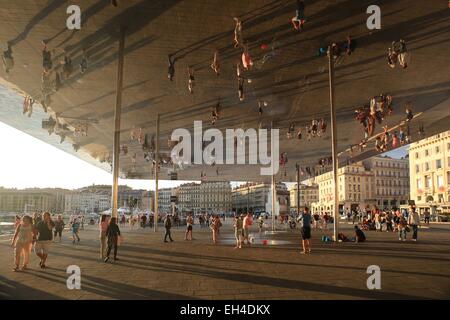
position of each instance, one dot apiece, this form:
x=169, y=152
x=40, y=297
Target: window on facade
x=427, y=166
x=419, y=198
x=419, y=184
x=428, y=182
x=437, y=149
x=417, y=168
x=427, y=153
x=438, y=164
x=417, y=155
x=440, y=181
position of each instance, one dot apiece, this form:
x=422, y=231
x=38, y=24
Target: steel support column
x=156, y=168
x=334, y=145
x=117, y=117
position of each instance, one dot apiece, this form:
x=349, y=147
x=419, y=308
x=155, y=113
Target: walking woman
x=215, y=228
x=103, y=226
x=22, y=242
x=113, y=234
x=189, y=223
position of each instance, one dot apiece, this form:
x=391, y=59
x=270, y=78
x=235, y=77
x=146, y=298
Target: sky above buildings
x=27, y=162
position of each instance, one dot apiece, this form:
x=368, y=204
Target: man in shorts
x=305, y=217
x=43, y=231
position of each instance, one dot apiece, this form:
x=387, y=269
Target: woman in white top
x=189, y=226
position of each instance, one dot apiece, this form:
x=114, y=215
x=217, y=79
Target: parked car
x=442, y=218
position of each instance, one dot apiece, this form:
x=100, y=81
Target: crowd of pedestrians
x=39, y=231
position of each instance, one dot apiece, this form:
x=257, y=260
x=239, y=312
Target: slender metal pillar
x=297, y=167
x=274, y=189
x=156, y=174
x=334, y=145
x=117, y=116
x=248, y=195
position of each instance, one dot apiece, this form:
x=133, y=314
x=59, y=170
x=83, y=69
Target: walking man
x=43, y=231
x=305, y=217
x=189, y=224
x=413, y=221
x=168, y=226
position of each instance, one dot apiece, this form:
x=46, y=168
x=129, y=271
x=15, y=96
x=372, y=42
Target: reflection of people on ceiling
x=191, y=81
x=247, y=61
x=67, y=67
x=299, y=19
x=7, y=58
x=237, y=33
x=46, y=58
x=84, y=62
x=215, y=65
x=240, y=82
x=171, y=70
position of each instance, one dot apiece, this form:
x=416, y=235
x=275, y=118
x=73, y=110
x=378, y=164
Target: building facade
x=148, y=201
x=189, y=198
x=164, y=204
x=30, y=200
x=215, y=197
x=205, y=197
x=256, y=198
x=86, y=202
x=391, y=177
x=429, y=165
x=308, y=195
x=379, y=181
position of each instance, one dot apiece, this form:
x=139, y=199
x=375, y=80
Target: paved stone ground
x=151, y=269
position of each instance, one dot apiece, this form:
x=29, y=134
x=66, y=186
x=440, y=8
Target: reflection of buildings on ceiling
x=378, y=181
x=298, y=98
x=256, y=197
x=33, y=199
x=429, y=162
x=205, y=197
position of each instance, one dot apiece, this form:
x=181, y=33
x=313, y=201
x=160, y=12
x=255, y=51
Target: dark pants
x=167, y=234
x=389, y=226
x=414, y=229
x=112, y=242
